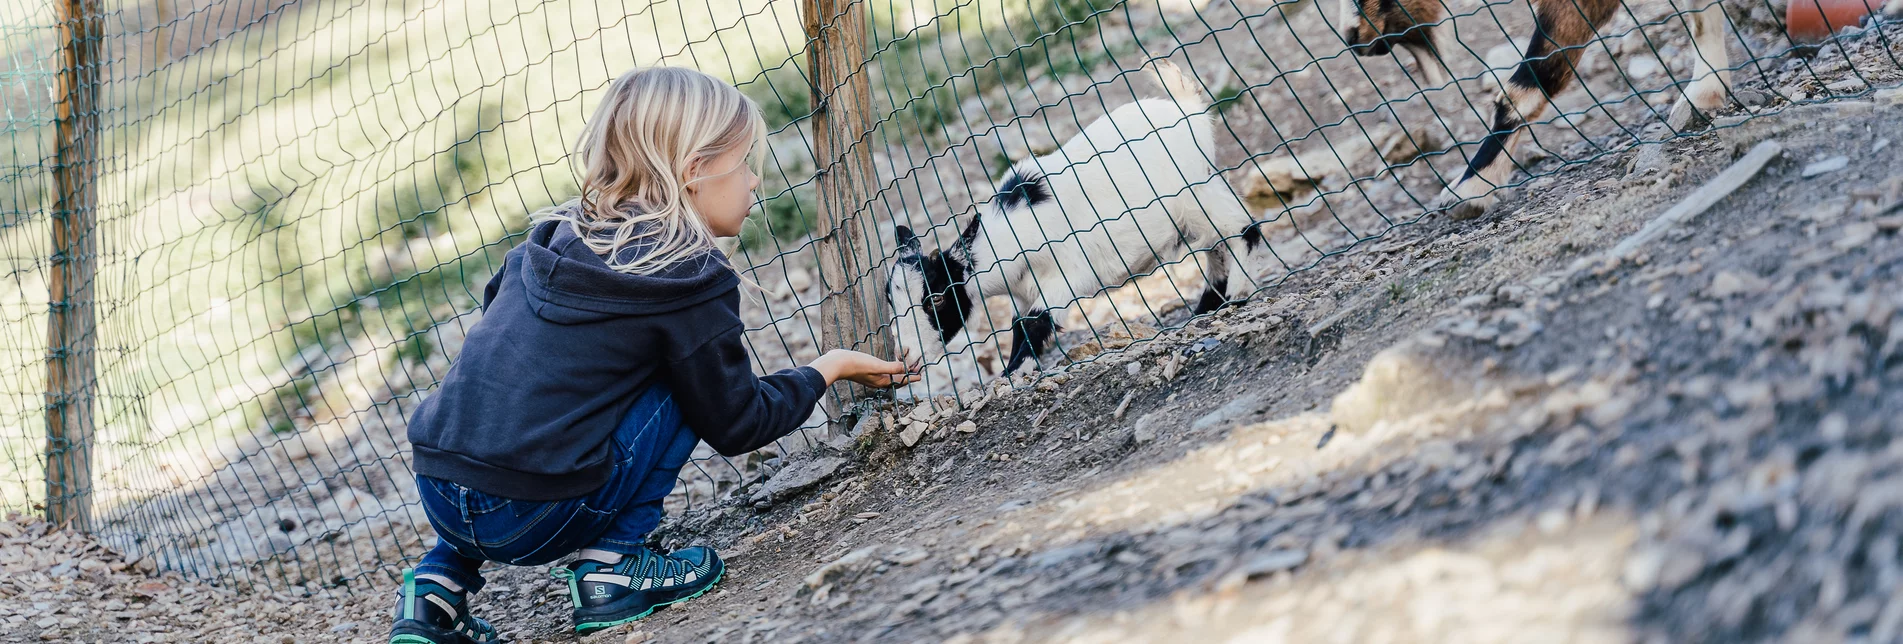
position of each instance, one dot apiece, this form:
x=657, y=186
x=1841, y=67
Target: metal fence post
x=69, y=326
x=848, y=244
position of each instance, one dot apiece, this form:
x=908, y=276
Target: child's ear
x=697, y=169
x=692, y=172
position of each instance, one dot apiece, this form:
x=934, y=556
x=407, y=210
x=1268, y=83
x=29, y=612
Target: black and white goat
x=1133, y=190
x=1561, y=30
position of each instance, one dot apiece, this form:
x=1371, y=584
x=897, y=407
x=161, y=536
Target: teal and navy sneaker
x=608, y=595
x=427, y=613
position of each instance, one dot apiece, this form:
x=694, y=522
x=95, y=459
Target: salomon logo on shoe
x=607, y=595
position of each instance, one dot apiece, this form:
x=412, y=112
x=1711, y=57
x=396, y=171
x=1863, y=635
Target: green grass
x=916, y=61
x=1229, y=97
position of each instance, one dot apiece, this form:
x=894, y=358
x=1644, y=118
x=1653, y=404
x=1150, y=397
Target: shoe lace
x=654, y=564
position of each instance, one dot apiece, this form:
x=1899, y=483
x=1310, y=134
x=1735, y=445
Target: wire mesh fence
x=243, y=239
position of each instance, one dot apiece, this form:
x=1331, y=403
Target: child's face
x=723, y=191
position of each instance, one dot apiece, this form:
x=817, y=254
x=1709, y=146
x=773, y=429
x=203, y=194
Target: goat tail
x=1181, y=88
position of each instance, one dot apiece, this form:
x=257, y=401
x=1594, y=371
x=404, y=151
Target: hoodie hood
x=567, y=283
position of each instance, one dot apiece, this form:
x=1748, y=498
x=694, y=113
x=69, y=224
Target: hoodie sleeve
x=733, y=410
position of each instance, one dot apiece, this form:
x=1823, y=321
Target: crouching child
x=610, y=345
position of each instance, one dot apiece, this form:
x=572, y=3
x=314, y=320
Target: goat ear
x=908, y=242
x=966, y=237
x=971, y=229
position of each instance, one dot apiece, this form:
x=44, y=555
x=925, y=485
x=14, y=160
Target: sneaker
x=428, y=613
x=607, y=595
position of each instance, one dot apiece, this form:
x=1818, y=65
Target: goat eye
x=937, y=299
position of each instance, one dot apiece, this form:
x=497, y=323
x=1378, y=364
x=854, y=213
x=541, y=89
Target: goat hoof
x=1466, y=210
x=1686, y=118
x=1462, y=210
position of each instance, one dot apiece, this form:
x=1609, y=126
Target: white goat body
x=1134, y=190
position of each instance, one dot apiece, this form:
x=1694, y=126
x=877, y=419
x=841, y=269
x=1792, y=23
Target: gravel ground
x=1466, y=431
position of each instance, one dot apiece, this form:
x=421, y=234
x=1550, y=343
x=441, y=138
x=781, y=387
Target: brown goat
x=1561, y=30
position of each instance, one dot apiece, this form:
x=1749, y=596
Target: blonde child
x=610, y=344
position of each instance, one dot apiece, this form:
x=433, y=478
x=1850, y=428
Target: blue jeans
x=650, y=447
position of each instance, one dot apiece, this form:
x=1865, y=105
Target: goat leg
x=1711, y=74
x=1546, y=69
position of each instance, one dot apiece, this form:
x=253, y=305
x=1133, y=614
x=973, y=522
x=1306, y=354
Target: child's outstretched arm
x=737, y=412
x=843, y=364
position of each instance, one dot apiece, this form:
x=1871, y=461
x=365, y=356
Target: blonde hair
x=634, y=155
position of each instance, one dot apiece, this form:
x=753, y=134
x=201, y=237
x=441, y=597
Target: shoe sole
x=449, y=637
x=418, y=639
x=588, y=627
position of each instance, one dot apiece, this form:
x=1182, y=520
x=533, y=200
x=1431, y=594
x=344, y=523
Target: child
x=610, y=344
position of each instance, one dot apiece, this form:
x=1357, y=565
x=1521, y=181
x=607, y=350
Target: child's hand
x=844, y=364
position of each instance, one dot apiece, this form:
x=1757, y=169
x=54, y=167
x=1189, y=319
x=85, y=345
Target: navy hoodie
x=565, y=346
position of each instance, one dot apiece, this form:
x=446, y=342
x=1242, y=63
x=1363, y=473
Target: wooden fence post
x=69, y=325
x=848, y=244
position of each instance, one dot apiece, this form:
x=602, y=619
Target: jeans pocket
x=506, y=524
x=478, y=503
x=560, y=534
